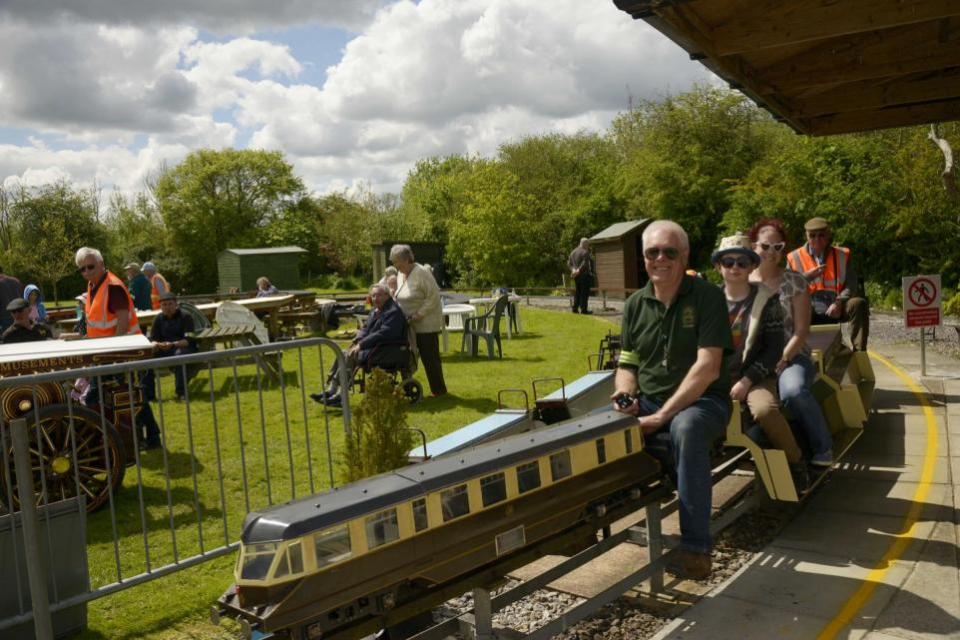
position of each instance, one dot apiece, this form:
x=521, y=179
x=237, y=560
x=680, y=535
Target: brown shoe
x=692, y=566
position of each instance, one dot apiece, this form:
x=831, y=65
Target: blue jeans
x=689, y=437
x=795, y=394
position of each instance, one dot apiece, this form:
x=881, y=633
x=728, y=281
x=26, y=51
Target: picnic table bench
x=236, y=336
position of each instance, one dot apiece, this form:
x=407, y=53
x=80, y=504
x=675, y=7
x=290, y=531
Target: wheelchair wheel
x=412, y=390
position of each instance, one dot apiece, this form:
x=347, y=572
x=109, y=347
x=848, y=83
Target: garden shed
x=425, y=253
x=240, y=268
x=618, y=251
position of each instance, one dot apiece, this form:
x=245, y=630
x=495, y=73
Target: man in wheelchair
x=381, y=342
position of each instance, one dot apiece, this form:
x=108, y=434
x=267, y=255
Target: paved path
x=876, y=552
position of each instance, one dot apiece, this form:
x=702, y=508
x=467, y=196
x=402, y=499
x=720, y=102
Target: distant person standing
x=10, y=290
x=158, y=284
x=581, y=269
x=139, y=287
x=419, y=297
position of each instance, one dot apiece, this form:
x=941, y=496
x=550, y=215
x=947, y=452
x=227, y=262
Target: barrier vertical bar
x=8, y=479
x=243, y=454
x=36, y=568
x=216, y=446
x=306, y=423
x=286, y=426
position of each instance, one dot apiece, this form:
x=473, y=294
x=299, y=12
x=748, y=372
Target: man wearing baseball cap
x=832, y=282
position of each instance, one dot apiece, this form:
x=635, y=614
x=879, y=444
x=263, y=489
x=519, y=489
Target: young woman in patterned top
x=795, y=368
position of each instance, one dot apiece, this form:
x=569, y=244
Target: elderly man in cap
x=832, y=282
x=158, y=284
x=671, y=373
x=23, y=329
x=139, y=287
x=170, y=335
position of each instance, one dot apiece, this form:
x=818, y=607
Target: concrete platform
x=875, y=554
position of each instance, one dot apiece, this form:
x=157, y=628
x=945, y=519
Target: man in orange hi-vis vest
x=832, y=282
x=158, y=283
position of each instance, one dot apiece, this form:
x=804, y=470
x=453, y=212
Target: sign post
x=921, y=309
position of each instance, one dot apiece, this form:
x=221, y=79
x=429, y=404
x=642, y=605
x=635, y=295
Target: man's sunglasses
x=652, y=253
x=87, y=267
x=729, y=263
x=776, y=246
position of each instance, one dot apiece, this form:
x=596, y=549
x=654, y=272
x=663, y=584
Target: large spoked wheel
x=412, y=390
x=97, y=467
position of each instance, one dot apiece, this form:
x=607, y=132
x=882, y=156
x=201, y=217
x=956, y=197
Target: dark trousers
x=429, y=346
x=149, y=429
x=180, y=374
x=581, y=294
x=857, y=312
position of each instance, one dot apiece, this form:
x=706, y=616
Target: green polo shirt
x=662, y=342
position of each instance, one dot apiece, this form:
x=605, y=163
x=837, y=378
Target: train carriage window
x=291, y=563
x=455, y=502
x=601, y=451
x=528, y=476
x=382, y=528
x=628, y=439
x=332, y=545
x=420, y=521
x=493, y=489
x=560, y=465
x=257, y=559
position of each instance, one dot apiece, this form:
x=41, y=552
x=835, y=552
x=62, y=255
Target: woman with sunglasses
x=795, y=367
x=756, y=324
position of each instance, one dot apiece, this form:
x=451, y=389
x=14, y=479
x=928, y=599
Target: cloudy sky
x=352, y=91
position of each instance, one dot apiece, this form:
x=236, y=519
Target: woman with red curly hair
x=795, y=368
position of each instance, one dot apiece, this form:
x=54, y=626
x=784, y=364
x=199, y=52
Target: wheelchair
x=399, y=361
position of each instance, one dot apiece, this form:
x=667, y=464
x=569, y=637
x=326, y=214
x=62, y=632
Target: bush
x=952, y=306
x=380, y=439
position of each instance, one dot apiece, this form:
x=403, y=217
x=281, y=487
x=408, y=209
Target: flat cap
x=17, y=304
x=816, y=224
x=167, y=295
x=132, y=265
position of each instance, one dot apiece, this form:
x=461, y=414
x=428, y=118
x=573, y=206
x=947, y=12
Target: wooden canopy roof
x=825, y=66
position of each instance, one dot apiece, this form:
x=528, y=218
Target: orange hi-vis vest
x=834, y=275
x=101, y=323
x=155, y=292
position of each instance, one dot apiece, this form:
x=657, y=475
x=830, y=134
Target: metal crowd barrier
x=241, y=437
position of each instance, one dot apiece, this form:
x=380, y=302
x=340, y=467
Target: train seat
x=580, y=397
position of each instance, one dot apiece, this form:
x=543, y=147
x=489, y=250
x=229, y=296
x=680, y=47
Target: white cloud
x=429, y=78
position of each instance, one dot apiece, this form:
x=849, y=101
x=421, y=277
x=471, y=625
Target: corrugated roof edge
x=266, y=250
x=620, y=229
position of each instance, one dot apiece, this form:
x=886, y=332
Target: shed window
x=420, y=521
x=560, y=465
x=528, y=476
x=628, y=439
x=382, y=528
x=493, y=489
x=332, y=545
x=455, y=502
x=601, y=450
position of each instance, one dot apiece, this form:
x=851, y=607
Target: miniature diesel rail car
x=73, y=448
x=316, y=567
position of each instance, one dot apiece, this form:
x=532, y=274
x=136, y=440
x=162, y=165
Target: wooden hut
x=240, y=268
x=618, y=252
x=425, y=253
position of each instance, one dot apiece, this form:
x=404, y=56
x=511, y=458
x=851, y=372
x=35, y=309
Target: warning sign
x=921, y=301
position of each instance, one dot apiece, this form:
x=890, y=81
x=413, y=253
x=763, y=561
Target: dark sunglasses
x=87, y=267
x=729, y=263
x=652, y=253
x=776, y=246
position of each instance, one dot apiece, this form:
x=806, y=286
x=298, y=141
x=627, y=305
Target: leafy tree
x=217, y=199
x=379, y=439
x=47, y=225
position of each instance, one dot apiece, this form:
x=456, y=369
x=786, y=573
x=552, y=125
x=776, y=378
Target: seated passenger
x=264, y=288
x=386, y=326
x=795, y=368
x=169, y=335
x=832, y=282
x=38, y=312
x=675, y=336
x=23, y=328
x=756, y=324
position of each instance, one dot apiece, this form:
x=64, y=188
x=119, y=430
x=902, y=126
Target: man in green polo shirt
x=675, y=339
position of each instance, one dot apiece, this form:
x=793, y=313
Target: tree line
x=707, y=158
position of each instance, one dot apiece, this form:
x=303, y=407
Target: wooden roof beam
x=916, y=49
x=868, y=120
x=870, y=94
x=770, y=23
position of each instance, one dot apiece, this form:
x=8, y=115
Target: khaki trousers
x=765, y=408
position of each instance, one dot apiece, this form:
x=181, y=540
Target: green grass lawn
x=553, y=344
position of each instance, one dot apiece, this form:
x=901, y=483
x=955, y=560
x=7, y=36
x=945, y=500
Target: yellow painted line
x=903, y=539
